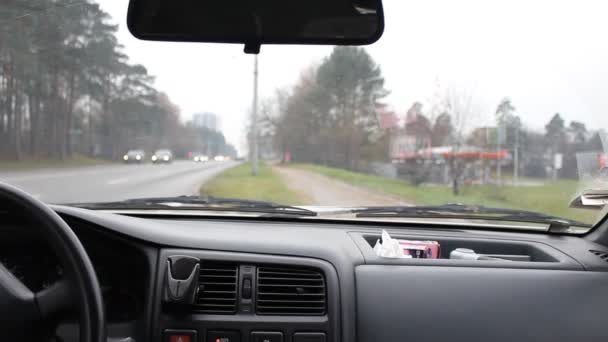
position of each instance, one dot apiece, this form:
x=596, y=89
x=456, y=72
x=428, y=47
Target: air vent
x=217, y=289
x=602, y=255
x=290, y=291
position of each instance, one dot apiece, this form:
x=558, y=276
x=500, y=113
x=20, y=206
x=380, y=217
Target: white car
x=162, y=157
x=200, y=158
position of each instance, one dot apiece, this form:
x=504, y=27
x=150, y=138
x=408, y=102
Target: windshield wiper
x=462, y=211
x=201, y=203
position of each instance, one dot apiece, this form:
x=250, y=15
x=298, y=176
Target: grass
x=34, y=163
x=237, y=182
x=551, y=198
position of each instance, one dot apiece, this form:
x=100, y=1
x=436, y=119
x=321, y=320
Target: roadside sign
x=603, y=159
x=558, y=161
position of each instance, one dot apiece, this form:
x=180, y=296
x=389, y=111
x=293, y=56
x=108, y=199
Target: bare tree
x=465, y=113
x=271, y=122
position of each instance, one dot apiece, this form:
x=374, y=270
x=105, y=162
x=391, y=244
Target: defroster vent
x=602, y=255
x=217, y=289
x=284, y=290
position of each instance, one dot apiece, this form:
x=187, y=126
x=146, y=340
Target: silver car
x=134, y=156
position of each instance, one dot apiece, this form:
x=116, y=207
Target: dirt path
x=325, y=191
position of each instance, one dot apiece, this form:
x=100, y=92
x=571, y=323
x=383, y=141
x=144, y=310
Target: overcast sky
x=548, y=56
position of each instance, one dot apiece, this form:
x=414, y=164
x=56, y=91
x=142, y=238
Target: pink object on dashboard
x=421, y=249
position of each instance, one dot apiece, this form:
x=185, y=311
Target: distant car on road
x=219, y=158
x=200, y=158
x=162, y=157
x=134, y=156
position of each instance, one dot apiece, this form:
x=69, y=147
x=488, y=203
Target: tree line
x=66, y=86
x=335, y=115
x=329, y=117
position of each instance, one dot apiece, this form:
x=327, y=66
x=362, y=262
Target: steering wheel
x=28, y=316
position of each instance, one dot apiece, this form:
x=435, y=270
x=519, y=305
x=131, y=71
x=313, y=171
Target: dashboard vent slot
x=602, y=255
x=284, y=290
x=217, y=288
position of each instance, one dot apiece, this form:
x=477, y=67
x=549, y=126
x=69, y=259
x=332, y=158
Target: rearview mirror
x=253, y=23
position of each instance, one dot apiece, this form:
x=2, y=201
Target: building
x=207, y=120
x=415, y=158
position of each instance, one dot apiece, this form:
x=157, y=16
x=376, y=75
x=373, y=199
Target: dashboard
x=121, y=270
x=218, y=279
x=32, y=263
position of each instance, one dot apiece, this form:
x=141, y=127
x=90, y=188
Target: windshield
x=493, y=103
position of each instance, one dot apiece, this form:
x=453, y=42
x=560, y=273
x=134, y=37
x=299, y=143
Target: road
x=114, y=182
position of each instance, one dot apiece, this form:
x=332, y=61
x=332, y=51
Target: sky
x=546, y=56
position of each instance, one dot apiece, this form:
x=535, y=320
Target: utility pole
x=498, y=154
x=254, y=120
x=516, y=157
x=91, y=150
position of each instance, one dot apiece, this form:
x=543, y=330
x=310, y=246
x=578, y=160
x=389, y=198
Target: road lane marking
x=117, y=181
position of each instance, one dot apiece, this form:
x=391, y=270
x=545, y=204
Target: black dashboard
x=122, y=270
x=308, y=281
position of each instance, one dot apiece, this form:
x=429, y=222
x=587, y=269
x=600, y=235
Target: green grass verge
x=237, y=182
x=551, y=198
x=32, y=163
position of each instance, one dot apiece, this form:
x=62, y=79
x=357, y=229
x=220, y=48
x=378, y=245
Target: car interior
x=148, y=278
x=95, y=275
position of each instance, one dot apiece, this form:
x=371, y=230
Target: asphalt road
x=114, y=182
